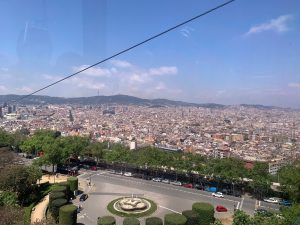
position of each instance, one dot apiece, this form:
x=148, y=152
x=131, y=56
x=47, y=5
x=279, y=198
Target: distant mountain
x=98, y=100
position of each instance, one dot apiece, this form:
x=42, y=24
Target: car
x=166, y=181
x=128, y=174
x=111, y=171
x=83, y=197
x=271, y=200
x=94, y=168
x=285, y=203
x=176, y=183
x=119, y=173
x=221, y=208
x=199, y=187
x=156, y=179
x=188, y=185
x=218, y=194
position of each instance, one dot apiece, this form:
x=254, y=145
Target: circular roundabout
x=132, y=207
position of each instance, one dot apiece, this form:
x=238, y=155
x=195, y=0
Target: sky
x=247, y=52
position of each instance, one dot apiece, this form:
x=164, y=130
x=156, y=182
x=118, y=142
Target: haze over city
x=247, y=52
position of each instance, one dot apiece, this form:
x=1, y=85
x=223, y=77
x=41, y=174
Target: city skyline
x=244, y=53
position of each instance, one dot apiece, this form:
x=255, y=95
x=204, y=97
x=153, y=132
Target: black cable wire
x=130, y=48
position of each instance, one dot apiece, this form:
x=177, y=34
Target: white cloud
x=160, y=86
x=24, y=90
x=186, y=31
x=95, y=71
x=2, y=88
x=294, y=85
x=164, y=70
x=120, y=63
x=278, y=25
x=88, y=83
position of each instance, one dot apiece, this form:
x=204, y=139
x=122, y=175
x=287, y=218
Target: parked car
x=128, y=174
x=218, y=194
x=221, y=208
x=119, y=173
x=176, y=183
x=285, y=203
x=188, y=185
x=83, y=197
x=166, y=181
x=156, y=179
x=199, y=187
x=94, y=168
x=271, y=200
x=111, y=171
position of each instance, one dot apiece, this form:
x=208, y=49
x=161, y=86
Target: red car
x=221, y=208
x=188, y=185
x=94, y=168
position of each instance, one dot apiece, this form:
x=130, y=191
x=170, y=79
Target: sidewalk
x=39, y=210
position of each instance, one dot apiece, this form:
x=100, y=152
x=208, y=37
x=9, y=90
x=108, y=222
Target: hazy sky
x=246, y=52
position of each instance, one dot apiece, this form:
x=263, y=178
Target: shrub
x=68, y=192
x=55, y=195
x=55, y=205
x=68, y=215
x=205, y=211
x=106, y=220
x=131, y=221
x=73, y=182
x=154, y=221
x=175, y=219
x=191, y=216
x=58, y=188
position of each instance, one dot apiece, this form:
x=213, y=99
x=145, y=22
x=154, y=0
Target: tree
x=289, y=177
x=74, y=145
x=19, y=179
x=6, y=139
x=241, y=218
x=96, y=150
x=11, y=215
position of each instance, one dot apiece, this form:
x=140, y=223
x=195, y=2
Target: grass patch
x=153, y=208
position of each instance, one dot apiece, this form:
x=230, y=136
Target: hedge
x=131, y=221
x=55, y=205
x=205, y=211
x=175, y=219
x=68, y=215
x=69, y=194
x=154, y=221
x=106, y=220
x=73, y=182
x=191, y=216
x=58, y=188
x=56, y=195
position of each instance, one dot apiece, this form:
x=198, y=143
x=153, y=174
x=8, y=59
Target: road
x=170, y=198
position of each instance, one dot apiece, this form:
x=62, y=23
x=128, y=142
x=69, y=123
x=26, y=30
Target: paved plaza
x=107, y=187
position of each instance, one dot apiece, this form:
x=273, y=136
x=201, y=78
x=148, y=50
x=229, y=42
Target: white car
x=176, y=183
x=218, y=194
x=128, y=174
x=271, y=200
x=166, y=181
x=156, y=179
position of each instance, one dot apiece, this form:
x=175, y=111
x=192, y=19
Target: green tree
x=289, y=178
x=6, y=139
x=241, y=218
x=19, y=179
